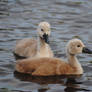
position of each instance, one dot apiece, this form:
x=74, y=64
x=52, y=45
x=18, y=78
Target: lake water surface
x=68, y=19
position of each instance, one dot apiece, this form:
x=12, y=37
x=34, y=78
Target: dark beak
x=46, y=38
x=86, y=50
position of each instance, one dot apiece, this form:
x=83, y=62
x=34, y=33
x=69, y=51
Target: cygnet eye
x=42, y=30
x=78, y=46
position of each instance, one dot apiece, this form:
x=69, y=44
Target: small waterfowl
x=35, y=48
x=55, y=66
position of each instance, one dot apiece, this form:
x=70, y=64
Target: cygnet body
x=55, y=66
x=35, y=48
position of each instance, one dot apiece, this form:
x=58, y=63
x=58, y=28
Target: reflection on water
x=72, y=85
x=68, y=19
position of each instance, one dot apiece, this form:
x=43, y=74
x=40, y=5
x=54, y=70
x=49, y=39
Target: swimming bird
x=35, y=48
x=55, y=66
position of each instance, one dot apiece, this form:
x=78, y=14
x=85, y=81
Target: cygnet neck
x=73, y=61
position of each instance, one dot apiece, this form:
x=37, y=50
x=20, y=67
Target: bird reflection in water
x=72, y=83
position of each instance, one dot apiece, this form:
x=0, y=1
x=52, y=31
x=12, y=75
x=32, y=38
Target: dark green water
x=68, y=19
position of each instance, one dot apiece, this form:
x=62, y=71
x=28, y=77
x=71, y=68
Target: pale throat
x=42, y=46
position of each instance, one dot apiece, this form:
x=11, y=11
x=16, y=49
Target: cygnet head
x=76, y=46
x=44, y=31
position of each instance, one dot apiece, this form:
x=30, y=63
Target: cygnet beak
x=46, y=38
x=86, y=50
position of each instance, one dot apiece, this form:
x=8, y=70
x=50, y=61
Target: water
x=68, y=19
